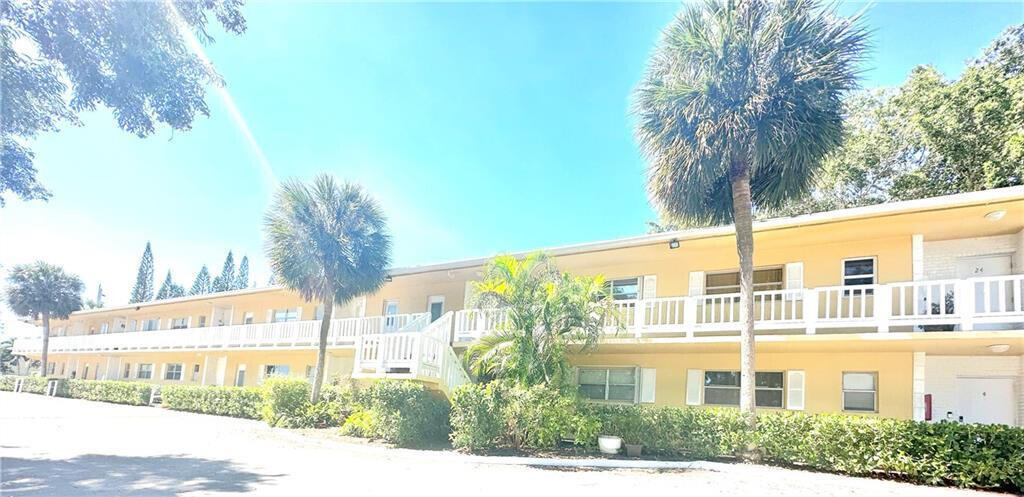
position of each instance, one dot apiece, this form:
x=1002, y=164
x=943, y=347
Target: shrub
x=6, y=383
x=406, y=413
x=34, y=384
x=285, y=402
x=361, y=424
x=503, y=414
x=238, y=402
x=118, y=392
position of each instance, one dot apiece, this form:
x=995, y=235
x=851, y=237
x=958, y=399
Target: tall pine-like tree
x=202, y=284
x=143, y=289
x=243, y=274
x=169, y=289
x=226, y=280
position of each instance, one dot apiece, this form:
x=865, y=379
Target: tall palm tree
x=43, y=290
x=328, y=242
x=740, y=102
x=547, y=312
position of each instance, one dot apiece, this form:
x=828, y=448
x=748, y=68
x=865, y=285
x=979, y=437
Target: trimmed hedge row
x=118, y=392
x=966, y=455
x=237, y=402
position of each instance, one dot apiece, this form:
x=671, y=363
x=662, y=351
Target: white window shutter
x=694, y=382
x=163, y=371
x=696, y=283
x=298, y=313
x=189, y=323
x=650, y=288
x=467, y=296
x=261, y=373
x=648, y=380
x=270, y=315
x=795, y=390
x=795, y=277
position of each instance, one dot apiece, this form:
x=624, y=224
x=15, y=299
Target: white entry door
x=986, y=400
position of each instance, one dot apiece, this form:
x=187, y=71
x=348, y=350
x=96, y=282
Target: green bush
x=502, y=414
x=34, y=384
x=406, y=413
x=361, y=424
x=118, y=392
x=285, y=402
x=238, y=402
x=6, y=383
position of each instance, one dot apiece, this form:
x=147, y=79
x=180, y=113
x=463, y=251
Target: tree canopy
x=58, y=59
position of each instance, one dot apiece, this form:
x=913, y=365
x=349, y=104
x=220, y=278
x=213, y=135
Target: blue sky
x=480, y=127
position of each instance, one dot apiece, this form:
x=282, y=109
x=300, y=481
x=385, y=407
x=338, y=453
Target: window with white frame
x=390, y=310
x=765, y=279
x=860, y=271
x=276, y=370
x=612, y=384
x=285, y=315
x=127, y=370
x=144, y=372
x=104, y=328
x=173, y=372
x=624, y=289
x=202, y=321
x=722, y=388
x=179, y=323
x=195, y=372
x=52, y=367
x=860, y=391
x=318, y=313
x=150, y=324
x=309, y=372
x=247, y=318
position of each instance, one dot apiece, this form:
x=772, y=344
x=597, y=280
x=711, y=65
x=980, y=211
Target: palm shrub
x=45, y=291
x=740, y=103
x=547, y=313
x=328, y=242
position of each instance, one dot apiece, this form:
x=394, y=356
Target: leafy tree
x=7, y=358
x=143, y=289
x=169, y=289
x=547, y=313
x=243, y=274
x=327, y=242
x=740, y=104
x=131, y=57
x=43, y=290
x=226, y=280
x=202, y=284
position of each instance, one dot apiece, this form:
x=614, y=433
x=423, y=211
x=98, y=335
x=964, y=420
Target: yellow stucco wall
x=823, y=374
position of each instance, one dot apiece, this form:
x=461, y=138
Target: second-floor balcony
x=282, y=335
x=993, y=303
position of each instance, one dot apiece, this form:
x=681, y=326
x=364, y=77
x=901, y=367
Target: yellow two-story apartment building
x=909, y=310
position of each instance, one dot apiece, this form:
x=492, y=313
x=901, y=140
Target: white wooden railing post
x=639, y=311
x=964, y=305
x=883, y=306
x=690, y=315
x=811, y=310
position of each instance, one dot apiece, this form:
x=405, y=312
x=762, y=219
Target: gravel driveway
x=54, y=446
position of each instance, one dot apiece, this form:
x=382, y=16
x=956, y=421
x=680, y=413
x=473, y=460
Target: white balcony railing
x=294, y=334
x=995, y=302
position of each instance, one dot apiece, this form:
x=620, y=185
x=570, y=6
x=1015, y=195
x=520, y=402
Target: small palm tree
x=740, y=103
x=327, y=242
x=547, y=313
x=43, y=290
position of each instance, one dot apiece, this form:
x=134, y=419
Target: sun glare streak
x=266, y=172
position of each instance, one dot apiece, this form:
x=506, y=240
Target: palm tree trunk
x=321, y=356
x=46, y=343
x=743, y=214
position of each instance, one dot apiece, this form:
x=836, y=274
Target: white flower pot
x=609, y=444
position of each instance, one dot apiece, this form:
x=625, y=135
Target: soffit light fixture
x=995, y=215
x=998, y=348
x=673, y=244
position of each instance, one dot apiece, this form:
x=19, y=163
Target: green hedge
x=34, y=384
x=6, y=383
x=238, y=402
x=119, y=392
x=402, y=412
x=502, y=414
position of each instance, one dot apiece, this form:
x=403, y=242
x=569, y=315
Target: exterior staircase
x=424, y=355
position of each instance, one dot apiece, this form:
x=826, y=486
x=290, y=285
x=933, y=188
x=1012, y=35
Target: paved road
x=52, y=446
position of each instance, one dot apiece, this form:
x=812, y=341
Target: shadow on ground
x=117, y=475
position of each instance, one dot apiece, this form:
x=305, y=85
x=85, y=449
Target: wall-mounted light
x=998, y=348
x=387, y=278
x=673, y=244
x=995, y=215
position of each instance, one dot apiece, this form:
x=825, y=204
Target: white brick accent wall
x=940, y=256
x=941, y=373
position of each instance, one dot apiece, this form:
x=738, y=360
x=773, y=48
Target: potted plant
x=630, y=426
x=609, y=444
